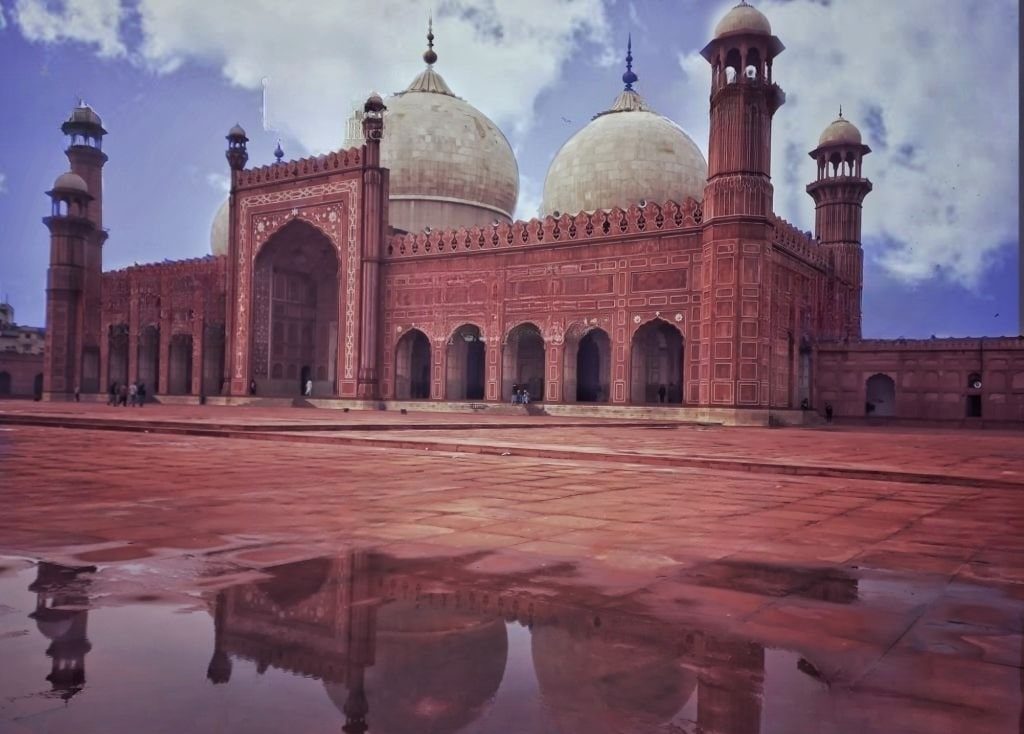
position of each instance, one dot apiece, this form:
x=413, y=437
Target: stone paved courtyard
x=891, y=559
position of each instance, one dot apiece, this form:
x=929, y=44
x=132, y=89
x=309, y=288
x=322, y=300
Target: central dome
x=450, y=164
x=623, y=156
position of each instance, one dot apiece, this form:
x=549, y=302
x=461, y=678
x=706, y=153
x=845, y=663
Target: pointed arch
x=523, y=361
x=466, y=363
x=412, y=366
x=656, y=363
x=587, y=365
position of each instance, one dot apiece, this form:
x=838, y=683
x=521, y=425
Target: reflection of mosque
x=61, y=615
x=409, y=646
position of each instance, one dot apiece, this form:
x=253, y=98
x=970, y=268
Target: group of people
x=520, y=395
x=125, y=394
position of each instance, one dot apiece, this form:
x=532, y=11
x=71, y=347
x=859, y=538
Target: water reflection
x=401, y=646
x=62, y=616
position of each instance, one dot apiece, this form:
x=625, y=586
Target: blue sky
x=169, y=77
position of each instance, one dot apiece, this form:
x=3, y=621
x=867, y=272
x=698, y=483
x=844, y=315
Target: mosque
x=390, y=272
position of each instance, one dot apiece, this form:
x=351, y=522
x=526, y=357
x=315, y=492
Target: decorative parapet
x=208, y=263
x=790, y=239
x=342, y=160
x=599, y=226
x=919, y=345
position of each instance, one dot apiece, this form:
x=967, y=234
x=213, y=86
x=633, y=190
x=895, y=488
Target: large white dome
x=625, y=155
x=450, y=164
x=219, y=230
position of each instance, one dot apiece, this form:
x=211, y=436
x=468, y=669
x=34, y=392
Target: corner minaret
x=743, y=100
x=375, y=217
x=838, y=193
x=730, y=360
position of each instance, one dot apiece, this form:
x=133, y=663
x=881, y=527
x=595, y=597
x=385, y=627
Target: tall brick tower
x=838, y=193
x=375, y=217
x=72, y=232
x=735, y=344
x=74, y=282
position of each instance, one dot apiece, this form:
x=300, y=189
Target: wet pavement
x=158, y=582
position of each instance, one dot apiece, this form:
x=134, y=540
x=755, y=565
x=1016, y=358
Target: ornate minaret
x=375, y=217
x=838, y=194
x=71, y=231
x=733, y=356
x=61, y=614
x=237, y=156
x=743, y=100
x=77, y=312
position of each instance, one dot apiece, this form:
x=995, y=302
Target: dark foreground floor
x=596, y=578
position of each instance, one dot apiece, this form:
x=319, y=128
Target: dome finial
x=840, y=111
x=429, y=55
x=629, y=77
x=278, y=152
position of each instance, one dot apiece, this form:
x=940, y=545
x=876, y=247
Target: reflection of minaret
x=361, y=617
x=61, y=615
x=219, y=669
x=731, y=687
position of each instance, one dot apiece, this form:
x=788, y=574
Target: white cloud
x=3, y=183
x=92, y=22
x=318, y=60
x=221, y=182
x=940, y=116
x=531, y=192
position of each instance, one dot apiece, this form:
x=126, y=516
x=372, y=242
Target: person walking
x=828, y=412
x=133, y=394
x=141, y=394
x=309, y=388
x=123, y=394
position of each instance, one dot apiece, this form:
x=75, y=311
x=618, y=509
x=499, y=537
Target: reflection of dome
x=450, y=164
x=219, y=230
x=70, y=182
x=55, y=623
x=596, y=685
x=840, y=132
x=743, y=19
x=622, y=156
x=435, y=670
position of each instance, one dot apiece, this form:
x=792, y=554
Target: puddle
x=766, y=579
x=364, y=642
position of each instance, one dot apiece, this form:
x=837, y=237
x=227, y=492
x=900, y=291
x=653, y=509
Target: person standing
x=123, y=394
x=309, y=388
x=828, y=412
x=133, y=394
x=661, y=393
x=141, y=394
x=252, y=387
x=112, y=398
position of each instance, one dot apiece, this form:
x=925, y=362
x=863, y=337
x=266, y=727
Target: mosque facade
x=392, y=270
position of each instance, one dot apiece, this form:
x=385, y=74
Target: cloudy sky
x=169, y=77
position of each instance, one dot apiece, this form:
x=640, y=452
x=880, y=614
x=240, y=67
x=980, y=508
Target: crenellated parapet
x=598, y=226
x=965, y=343
x=341, y=160
x=789, y=238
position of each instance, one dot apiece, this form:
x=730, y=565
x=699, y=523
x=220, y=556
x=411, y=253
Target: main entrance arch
x=295, y=312
x=588, y=358
x=522, y=362
x=466, y=364
x=656, y=356
x=412, y=366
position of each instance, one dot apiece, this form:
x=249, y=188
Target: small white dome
x=621, y=157
x=743, y=19
x=840, y=132
x=70, y=182
x=219, y=230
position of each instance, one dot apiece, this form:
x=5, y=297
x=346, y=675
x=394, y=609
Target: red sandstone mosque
x=392, y=270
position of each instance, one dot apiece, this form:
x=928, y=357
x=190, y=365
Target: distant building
x=21, y=356
x=391, y=269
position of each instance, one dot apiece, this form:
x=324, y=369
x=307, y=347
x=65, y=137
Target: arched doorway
x=179, y=365
x=656, y=356
x=117, y=355
x=37, y=386
x=466, y=364
x=149, y=359
x=881, y=396
x=90, y=381
x=213, y=359
x=412, y=366
x=295, y=312
x=5, y=383
x=522, y=362
x=587, y=367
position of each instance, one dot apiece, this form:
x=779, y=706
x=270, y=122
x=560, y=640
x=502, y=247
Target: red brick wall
x=22, y=369
x=930, y=377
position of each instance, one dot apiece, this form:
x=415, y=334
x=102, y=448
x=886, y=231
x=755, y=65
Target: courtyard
x=445, y=572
